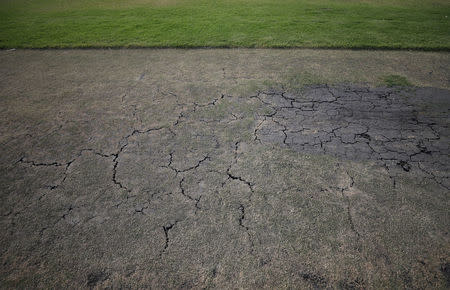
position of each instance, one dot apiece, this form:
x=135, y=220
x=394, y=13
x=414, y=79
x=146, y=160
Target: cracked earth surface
x=137, y=184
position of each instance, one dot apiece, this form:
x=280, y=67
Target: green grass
x=395, y=24
x=396, y=81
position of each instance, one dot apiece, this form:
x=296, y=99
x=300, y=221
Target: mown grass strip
x=237, y=23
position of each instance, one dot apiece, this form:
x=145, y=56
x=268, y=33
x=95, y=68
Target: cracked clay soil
x=212, y=169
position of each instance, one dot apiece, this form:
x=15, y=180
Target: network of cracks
x=398, y=129
x=404, y=131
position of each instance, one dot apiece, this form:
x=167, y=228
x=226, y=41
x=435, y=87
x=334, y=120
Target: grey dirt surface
x=224, y=169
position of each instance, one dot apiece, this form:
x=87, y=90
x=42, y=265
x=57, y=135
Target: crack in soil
x=166, y=230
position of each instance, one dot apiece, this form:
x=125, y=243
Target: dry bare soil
x=224, y=168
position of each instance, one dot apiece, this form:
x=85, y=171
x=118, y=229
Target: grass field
x=396, y=24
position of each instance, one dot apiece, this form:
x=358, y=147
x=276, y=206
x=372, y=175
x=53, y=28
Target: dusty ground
x=219, y=168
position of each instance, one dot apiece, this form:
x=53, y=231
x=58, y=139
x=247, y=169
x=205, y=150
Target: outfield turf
x=398, y=24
